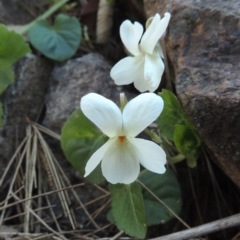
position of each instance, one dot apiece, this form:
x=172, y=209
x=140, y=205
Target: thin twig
x=94, y=200
x=10, y=196
x=47, y=131
x=62, y=195
x=40, y=195
x=101, y=189
x=39, y=219
x=40, y=186
x=12, y=183
x=99, y=210
x=194, y=195
x=117, y=235
x=236, y=237
x=165, y=205
x=20, y=214
x=11, y=161
x=215, y=182
x=77, y=197
x=96, y=231
x=19, y=234
x=211, y=227
x=52, y=212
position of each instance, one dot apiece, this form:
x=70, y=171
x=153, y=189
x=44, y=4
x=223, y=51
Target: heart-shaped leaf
x=165, y=187
x=128, y=209
x=79, y=140
x=12, y=48
x=58, y=42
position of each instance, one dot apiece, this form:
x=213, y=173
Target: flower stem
x=153, y=135
x=178, y=158
x=44, y=16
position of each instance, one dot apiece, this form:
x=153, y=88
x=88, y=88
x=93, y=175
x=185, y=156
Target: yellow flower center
x=121, y=139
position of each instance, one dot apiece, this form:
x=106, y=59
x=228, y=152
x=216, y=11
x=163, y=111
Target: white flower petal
x=150, y=155
x=153, y=71
x=120, y=163
x=103, y=113
x=149, y=21
x=97, y=157
x=158, y=51
x=153, y=33
x=140, y=112
x=128, y=70
x=130, y=35
x=141, y=84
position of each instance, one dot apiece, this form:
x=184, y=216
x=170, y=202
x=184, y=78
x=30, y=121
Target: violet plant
x=100, y=138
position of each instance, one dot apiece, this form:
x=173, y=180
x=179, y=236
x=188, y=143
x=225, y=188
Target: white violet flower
x=145, y=67
x=123, y=152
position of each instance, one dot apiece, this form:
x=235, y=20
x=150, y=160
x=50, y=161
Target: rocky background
x=203, y=46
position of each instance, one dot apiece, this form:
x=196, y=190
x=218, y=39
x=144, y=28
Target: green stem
x=169, y=146
x=44, y=16
x=178, y=158
x=153, y=135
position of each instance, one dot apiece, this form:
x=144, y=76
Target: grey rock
x=23, y=99
x=20, y=12
x=203, y=45
x=72, y=80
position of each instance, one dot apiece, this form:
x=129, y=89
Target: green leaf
x=59, y=42
x=192, y=162
x=175, y=125
x=79, y=140
x=128, y=209
x=187, y=143
x=6, y=75
x=110, y=217
x=12, y=48
x=165, y=187
x=171, y=115
x=1, y=114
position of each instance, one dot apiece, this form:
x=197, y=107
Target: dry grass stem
x=53, y=214
x=78, y=199
x=12, y=183
x=194, y=196
x=169, y=209
x=12, y=160
x=34, y=161
x=56, y=178
x=94, y=200
x=40, y=220
x=117, y=235
x=10, y=196
x=41, y=195
x=47, y=131
x=214, y=181
x=104, y=21
x=23, y=213
x=96, y=231
x=203, y=229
